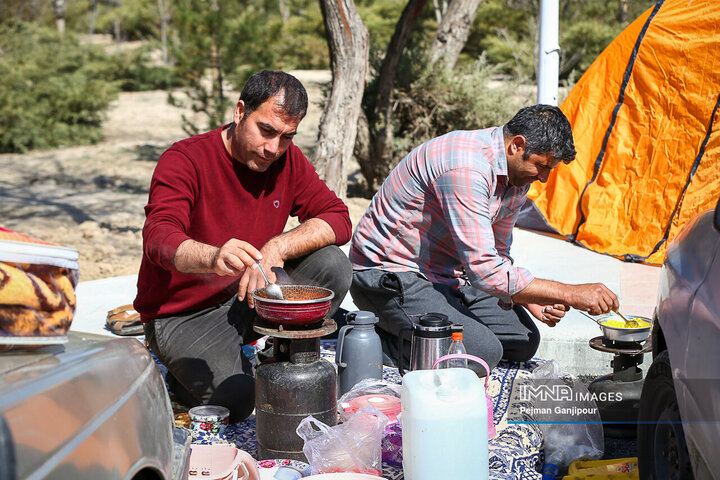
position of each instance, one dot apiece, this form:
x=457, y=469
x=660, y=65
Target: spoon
x=273, y=290
x=628, y=323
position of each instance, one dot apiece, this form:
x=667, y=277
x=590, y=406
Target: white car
x=93, y=408
x=679, y=419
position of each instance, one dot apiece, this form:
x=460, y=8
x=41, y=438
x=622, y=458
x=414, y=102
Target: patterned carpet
x=513, y=453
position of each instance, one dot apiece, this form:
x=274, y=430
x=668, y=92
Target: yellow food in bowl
x=620, y=323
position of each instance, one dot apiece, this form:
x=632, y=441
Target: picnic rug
x=514, y=453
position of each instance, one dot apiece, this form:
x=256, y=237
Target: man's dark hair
x=267, y=83
x=546, y=130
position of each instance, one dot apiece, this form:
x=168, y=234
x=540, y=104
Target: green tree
x=129, y=19
x=53, y=90
x=218, y=43
x=442, y=100
x=507, y=31
x=301, y=41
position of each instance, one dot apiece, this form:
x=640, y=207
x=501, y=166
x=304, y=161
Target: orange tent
x=646, y=123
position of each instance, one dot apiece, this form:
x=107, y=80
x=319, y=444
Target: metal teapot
x=431, y=338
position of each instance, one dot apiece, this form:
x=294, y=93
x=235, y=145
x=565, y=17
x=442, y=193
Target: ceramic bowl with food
x=301, y=305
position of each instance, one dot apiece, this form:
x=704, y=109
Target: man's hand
x=253, y=279
x=594, y=298
x=234, y=258
x=550, y=315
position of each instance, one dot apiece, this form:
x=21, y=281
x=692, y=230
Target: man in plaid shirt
x=437, y=235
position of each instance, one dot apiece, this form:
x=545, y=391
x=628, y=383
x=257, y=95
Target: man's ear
x=239, y=112
x=517, y=144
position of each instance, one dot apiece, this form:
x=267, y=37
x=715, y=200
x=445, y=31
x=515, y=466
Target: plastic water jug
x=444, y=425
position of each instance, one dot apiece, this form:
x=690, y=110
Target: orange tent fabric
x=647, y=131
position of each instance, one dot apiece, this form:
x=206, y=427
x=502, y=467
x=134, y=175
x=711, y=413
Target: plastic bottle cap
x=550, y=471
x=457, y=336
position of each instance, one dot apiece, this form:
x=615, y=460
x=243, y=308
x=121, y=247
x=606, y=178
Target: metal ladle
x=629, y=323
x=273, y=290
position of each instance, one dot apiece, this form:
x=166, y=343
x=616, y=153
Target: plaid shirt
x=447, y=212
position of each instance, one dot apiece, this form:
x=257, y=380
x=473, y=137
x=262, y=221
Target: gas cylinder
x=359, y=352
x=288, y=388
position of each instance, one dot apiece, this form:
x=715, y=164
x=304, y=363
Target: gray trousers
x=489, y=332
x=202, y=350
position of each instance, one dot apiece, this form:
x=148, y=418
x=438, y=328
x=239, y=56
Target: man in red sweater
x=218, y=202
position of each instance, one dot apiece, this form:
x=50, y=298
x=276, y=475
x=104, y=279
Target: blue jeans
x=489, y=332
x=202, y=350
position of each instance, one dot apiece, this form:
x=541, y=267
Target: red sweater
x=199, y=192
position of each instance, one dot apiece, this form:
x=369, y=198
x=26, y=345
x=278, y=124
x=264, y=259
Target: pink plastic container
x=387, y=404
x=221, y=462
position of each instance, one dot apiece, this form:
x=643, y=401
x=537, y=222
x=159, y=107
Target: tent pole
x=549, y=53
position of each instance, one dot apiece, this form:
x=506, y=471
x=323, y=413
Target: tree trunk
x=93, y=18
x=284, y=10
x=164, y=14
x=217, y=93
x=118, y=33
x=362, y=150
x=623, y=10
x=453, y=31
x=381, y=122
x=349, y=44
x=59, y=10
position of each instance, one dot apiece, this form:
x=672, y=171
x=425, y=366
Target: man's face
x=263, y=136
x=522, y=171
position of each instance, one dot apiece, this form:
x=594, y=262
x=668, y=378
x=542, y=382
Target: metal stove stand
x=618, y=394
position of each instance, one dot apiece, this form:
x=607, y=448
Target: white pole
x=549, y=53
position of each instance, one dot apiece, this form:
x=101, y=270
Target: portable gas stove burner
x=618, y=394
x=292, y=384
x=317, y=329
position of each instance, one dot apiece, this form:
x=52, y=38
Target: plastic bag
x=353, y=446
x=385, y=397
x=392, y=444
x=570, y=419
x=352, y=401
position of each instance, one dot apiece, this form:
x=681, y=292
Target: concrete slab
x=545, y=256
x=97, y=297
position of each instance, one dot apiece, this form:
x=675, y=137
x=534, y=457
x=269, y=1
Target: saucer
x=268, y=468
